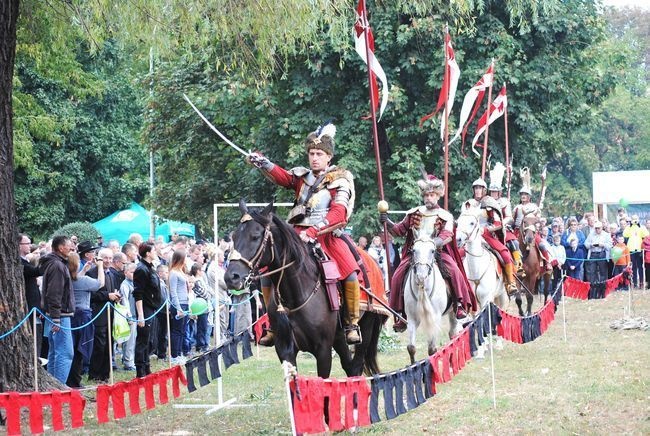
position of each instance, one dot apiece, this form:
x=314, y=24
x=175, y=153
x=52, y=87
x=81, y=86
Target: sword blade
x=214, y=129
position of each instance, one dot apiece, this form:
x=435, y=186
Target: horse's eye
x=255, y=236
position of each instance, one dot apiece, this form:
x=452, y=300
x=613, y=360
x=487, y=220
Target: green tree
x=548, y=67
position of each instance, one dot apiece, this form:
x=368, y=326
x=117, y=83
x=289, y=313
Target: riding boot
x=516, y=256
x=269, y=338
x=352, y=291
x=511, y=286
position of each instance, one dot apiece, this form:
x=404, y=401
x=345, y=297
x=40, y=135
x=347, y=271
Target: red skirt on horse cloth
x=459, y=285
x=498, y=246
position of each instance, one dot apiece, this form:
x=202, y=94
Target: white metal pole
x=494, y=386
x=169, y=336
x=110, y=342
x=35, y=333
x=563, y=307
x=287, y=369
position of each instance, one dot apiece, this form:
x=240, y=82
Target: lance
x=487, y=125
x=373, y=111
x=446, y=79
x=214, y=129
x=543, y=194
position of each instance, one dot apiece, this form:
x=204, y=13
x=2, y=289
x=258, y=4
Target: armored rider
x=441, y=224
x=506, y=233
x=479, y=190
x=526, y=208
x=324, y=200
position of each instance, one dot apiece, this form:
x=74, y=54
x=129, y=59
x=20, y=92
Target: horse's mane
x=294, y=247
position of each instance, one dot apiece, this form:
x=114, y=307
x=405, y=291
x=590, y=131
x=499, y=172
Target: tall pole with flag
x=374, y=70
x=446, y=102
x=446, y=118
x=487, y=127
x=505, y=123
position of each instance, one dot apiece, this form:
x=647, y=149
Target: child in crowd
x=622, y=262
x=575, y=257
x=126, y=289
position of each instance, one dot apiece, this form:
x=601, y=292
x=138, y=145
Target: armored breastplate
x=317, y=206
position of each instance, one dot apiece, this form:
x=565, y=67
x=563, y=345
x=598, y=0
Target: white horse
x=426, y=297
x=481, y=265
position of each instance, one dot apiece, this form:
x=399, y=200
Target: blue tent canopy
x=136, y=219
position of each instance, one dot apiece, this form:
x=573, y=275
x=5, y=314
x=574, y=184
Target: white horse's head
x=468, y=226
x=423, y=259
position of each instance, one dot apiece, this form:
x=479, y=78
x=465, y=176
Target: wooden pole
x=446, y=119
x=373, y=112
x=508, y=172
x=487, y=125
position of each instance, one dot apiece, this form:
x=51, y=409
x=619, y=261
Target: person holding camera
x=598, y=243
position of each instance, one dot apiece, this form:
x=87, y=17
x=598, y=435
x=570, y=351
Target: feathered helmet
x=322, y=138
x=525, y=181
x=430, y=183
x=496, y=177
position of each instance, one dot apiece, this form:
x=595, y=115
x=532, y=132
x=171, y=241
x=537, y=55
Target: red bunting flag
x=360, y=25
x=497, y=109
x=449, y=86
x=471, y=104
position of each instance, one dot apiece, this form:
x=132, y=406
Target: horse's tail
x=370, y=365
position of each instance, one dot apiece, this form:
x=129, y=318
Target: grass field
x=597, y=382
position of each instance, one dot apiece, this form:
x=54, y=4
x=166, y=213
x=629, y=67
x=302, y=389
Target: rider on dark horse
x=525, y=209
x=496, y=181
x=323, y=204
x=439, y=224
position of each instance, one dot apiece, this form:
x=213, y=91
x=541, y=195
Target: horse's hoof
x=268, y=340
x=353, y=336
x=399, y=326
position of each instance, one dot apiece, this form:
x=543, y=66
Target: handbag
x=121, y=327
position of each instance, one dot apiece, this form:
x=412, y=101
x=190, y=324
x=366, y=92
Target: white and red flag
x=471, y=104
x=360, y=46
x=497, y=109
x=449, y=86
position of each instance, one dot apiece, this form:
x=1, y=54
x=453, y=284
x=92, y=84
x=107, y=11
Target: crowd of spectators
x=581, y=249
x=71, y=281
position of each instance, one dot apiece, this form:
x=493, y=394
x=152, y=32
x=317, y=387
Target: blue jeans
x=61, y=350
x=202, y=334
x=177, y=330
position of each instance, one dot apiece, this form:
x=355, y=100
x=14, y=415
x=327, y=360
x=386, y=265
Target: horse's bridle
x=429, y=265
x=469, y=234
x=253, y=265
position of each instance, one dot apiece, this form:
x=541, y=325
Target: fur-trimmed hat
x=322, y=139
x=430, y=183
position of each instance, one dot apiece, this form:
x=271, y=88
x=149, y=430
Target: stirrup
x=352, y=334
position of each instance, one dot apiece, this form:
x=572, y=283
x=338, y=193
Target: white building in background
x=632, y=187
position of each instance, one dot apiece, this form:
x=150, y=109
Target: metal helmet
x=479, y=182
x=525, y=190
x=488, y=202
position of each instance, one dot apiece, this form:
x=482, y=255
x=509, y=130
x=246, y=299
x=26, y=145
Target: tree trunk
x=16, y=355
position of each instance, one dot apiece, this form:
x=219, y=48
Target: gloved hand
x=416, y=219
x=309, y=235
x=258, y=160
x=383, y=218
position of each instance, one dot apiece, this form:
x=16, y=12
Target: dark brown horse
x=307, y=323
x=533, y=265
